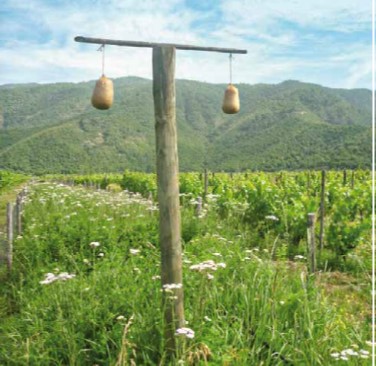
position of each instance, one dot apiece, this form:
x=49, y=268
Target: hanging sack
x=103, y=94
x=231, y=103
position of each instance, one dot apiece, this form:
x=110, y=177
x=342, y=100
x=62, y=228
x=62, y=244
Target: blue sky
x=318, y=41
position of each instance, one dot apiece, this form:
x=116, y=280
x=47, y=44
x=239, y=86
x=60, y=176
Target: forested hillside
x=292, y=125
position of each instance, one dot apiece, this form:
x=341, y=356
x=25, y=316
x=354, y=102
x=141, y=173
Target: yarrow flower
x=134, y=251
x=94, y=244
x=171, y=286
x=344, y=355
x=272, y=218
x=209, y=265
x=50, y=277
x=299, y=256
x=186, y=332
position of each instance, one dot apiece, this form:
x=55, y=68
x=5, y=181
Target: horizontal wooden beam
x=115, y=42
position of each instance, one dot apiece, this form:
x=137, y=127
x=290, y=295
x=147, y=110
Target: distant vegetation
x=292, y=125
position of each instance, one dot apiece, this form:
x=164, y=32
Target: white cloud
x=279, y=36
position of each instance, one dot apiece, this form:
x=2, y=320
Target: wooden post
x=322, y=209
x=19, y=214
x=198, y=206
x=9, y=251
x=205, y=184
x=311, y=249
x=168, y=189
x=344, y=177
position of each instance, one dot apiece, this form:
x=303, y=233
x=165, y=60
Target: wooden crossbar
x=115, y=42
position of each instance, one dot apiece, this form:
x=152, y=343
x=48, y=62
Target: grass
x=254, y=311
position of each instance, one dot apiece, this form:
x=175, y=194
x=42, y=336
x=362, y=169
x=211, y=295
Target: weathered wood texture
x=322, y=209
x=205, y=185
x=19, y=213
x=10, y=228
x=187, y=47
x=311, y=250
x=168, y=187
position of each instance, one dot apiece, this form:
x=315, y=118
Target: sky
x=326, y=42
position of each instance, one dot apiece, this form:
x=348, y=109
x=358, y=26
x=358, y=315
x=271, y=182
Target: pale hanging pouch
x=103, y=94
x=231, y=103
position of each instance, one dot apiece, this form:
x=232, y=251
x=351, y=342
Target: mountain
x=52, y=128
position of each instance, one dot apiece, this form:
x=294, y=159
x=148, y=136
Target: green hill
x=292, y=125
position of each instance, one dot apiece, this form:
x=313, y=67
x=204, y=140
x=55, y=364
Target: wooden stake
x=19, y=214
x=10, y=227
x=205, y=184
x=311, y=249
x=198, y=206
x=322, y=209
x=168, y=188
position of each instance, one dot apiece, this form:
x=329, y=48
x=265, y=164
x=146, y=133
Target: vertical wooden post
x=311, y=249
x=198, y=206
x=205, y=184
x=344, y=177
x=9, y=251
x=322, y=209
x=168, y=188
x=19, y=214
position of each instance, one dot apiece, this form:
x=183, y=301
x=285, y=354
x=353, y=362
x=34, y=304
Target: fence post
x=9, y=251
x=19, y=214
x=205, y=184
x=198, y=206
x=322, y=209
x=311, y=250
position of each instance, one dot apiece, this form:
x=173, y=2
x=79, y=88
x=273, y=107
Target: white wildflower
x=134, y=251
x=101, y=254
x=120, y=317
x=94, y=244
x=172, y=286
x=299, y=257
x=157, y=277
x=272, y=218
x=210, y=276
x=187, y=332
x=50, y=277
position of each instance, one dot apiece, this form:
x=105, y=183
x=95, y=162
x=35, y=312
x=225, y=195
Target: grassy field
x=85, y=289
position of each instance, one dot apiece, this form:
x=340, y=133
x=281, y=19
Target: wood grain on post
x=198, y=206
x=205, y=185
x=322, y=210
x=19, y=214
x=9, y=251
x=168, y=188
x=311, y=250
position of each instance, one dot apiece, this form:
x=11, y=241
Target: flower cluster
x=94, y=244
x=208, y=265
x=272, y=218
x=50, y=277
x=185, y=332
x=168, y=287
x=344, y=355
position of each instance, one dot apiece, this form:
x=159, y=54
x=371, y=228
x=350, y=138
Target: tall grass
x=249, y=311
